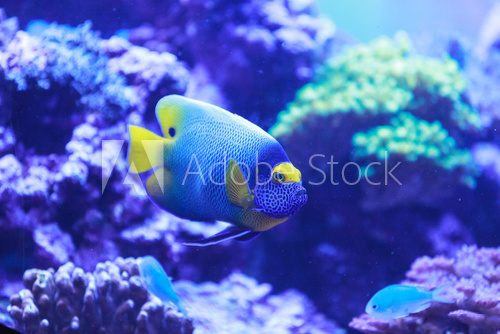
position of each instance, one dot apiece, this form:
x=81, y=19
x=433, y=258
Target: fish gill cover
x=65, y=89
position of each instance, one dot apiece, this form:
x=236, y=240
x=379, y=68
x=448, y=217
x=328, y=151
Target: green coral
x=413, y=139
x=381, y=78
x=391, y=102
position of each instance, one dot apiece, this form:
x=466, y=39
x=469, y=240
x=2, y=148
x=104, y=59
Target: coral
x=239, y=304
x=69, y=58
x=151, y=74
x=410, y=115
x=484, y=75
x=108, y=76
x=245, y=39
x=397, y=104
x=482, y=70
x=413, y=139
x=382, y=78
x=111, y=299
x=471, y=279
x=254, y=54
x=449, y=235
x=419, y=146
x=66, y=96
x=487, y=157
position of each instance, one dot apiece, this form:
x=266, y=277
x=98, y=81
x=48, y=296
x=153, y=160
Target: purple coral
x=253, y=54
x=65, y=91
x=471, y=279
x=246, y=49
x=111, y=299
x=240, y=304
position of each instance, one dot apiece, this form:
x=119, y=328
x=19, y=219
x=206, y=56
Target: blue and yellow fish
x=213, y=165
x=398, y=301
x=158, y=283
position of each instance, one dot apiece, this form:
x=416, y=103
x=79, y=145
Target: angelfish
x=212, y=165
x=158, y=283
x=398, y=301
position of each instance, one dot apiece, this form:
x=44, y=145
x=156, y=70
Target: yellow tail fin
x=146, y=149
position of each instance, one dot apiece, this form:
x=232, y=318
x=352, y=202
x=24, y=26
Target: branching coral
x=112, y=299
x=66, y=57
x=471, y=280
x=103, y=74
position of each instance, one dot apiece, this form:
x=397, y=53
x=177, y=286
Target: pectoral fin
x=232, y=232
x=237, y=189
x=421, y=307
x=249, y=236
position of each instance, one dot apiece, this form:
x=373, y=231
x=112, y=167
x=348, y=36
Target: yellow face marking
x=169, y=116
x=286, y=173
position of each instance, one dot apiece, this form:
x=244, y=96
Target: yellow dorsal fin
x=237, y=187
x=146, y=149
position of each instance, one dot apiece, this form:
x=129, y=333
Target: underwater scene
x=250, y=167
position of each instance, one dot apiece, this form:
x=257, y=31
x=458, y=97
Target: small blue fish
x=398, y=301
x=158, y=283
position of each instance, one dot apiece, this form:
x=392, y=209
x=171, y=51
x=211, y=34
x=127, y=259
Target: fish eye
x=374, y=307
x=171, y=132
x=278, y=177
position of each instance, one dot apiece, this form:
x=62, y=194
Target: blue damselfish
x=398, y=301
x=212, y=165
x=158, y=283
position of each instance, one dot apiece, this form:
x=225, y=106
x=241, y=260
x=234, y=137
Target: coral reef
x=384, y=108
x=112, y=299
x=240, y=304
x=471, y=281
x=66, y=97
x=68, y=90
x=232, y=46
x=413, y=139
x=246, y=40
x=111, y=76
x=383, y=89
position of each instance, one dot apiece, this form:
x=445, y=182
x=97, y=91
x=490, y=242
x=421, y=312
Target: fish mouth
x=301, y=192
x=301, y=197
